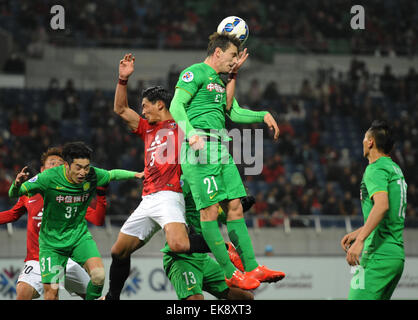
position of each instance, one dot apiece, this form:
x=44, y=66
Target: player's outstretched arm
x=105, y=176
x=120, y=174
x=120, y=106
x=14, y=213
x=241, y=115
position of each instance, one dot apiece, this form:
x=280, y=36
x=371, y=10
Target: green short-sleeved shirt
x=206, y=110
x=386, y=241
x=65, y=204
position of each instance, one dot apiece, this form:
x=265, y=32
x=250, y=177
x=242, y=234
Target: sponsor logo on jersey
x=33, y=179
x=187, y=76
x=72, y=199
x=215, y=86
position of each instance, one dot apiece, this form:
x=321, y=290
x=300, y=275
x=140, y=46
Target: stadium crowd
x=313, y=26
x=314, y=169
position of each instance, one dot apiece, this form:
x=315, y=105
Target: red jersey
x=162, y=149
x=34, y=206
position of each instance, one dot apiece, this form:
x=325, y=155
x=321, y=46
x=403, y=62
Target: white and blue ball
x=236, y=26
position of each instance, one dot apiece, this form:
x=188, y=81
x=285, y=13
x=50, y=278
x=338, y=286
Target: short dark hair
x=157, y=93
x=76, y=150
x=223, y=41
x=383, y=136
x=53, y=151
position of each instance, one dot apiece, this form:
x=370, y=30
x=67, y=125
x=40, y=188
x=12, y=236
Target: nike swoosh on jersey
x=30, y=201
x=190, y=288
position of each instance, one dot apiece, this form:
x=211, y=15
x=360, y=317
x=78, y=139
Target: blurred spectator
x=346, y=206
x=388, y=83
x=254, y=94
x=54, y=110
x=306, y=91
x=330, y=206
x=260, y=204
x=19, y=125
x=5, y=184
x=271, y=92
x=14, y=64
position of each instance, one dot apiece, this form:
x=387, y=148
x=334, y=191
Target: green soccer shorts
x=212, y=174
x=375, y=279
x=53, y=260
x=190, y=276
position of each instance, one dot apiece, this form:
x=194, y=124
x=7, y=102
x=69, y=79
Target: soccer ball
x=234, y=25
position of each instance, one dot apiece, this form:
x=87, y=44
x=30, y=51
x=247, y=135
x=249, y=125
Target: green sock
x=93, y=291
x=216, y=243
x=238, y=233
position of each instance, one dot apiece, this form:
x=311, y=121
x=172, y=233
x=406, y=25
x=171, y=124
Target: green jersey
x=66, y=203
x=200, y=103
x=386, y=240
x=206, y=110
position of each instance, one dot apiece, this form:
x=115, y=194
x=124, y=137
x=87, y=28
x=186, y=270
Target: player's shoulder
x=382, y=165
x=192, y=72
x=95, y=172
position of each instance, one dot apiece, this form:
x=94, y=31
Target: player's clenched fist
x=126, y=66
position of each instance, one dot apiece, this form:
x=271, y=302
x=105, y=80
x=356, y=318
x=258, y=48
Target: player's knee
x=235, y=210
x=119, y=252
x=178, y=245
x=210, y=213
x=97, y=276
